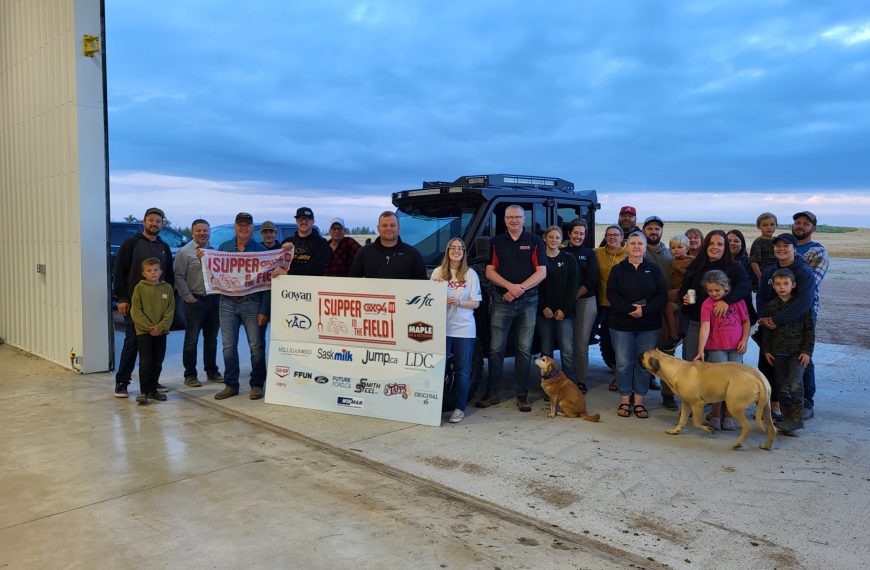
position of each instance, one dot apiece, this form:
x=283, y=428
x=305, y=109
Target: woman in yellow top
x=608, y=256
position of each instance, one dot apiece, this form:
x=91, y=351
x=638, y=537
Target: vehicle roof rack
x=507, y=181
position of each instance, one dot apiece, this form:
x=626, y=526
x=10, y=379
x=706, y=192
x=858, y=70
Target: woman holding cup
x=463, y=296
x=713, y=254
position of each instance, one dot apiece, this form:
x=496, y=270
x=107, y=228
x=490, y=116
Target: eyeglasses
x=514, y=217
x=612, y=235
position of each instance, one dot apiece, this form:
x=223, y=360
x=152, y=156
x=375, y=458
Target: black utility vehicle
x=472, y=207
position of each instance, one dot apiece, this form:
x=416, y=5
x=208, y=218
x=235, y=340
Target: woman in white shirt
x=463, y=296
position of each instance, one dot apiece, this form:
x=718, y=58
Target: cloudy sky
x=694, y=110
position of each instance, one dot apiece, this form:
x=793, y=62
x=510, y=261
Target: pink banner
x=241, y=273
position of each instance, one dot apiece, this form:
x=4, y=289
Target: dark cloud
x=618, y=96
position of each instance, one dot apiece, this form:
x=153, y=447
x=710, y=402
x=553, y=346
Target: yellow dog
x=699, y=383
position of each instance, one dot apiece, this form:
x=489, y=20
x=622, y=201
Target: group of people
x=148, y=323
x=632, y=293
x=641, y=294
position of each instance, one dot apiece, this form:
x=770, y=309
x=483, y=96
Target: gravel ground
x=845, y=303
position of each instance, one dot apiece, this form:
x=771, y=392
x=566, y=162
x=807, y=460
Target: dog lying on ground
x=562, y=392
x=699, y=383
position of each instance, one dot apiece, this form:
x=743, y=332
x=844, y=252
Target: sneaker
x=728, y=424
x=161, y=388
x=227, y=392
x=215, y=377
x=192, y=381
x=256, y=393
x=487, y=401
x=121, y=390
x=523, y=404
x=715, y=423
x=159, y=396
x=669, y=403
x=142, y=400
x=457, y=416
x=808, y=413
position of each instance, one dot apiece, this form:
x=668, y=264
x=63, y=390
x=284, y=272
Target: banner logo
x=420, y=331
x=282, y=371
x=381, y=357
x=364, y=386
x=397, y=390
x=297, y=321
x=345, y=355
x=419, y=301
x=346, y=402
x=419, y=360
x=295, y=295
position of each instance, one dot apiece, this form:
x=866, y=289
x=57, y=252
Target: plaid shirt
x=816, y=257
x=341, y=258
x=791, y=338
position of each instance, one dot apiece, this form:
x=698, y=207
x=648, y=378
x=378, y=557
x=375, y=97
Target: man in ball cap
x=816, y=257
x=627, y=222
x=248, y=311
x=127, y=273
x=343, y=249
x=311, y=252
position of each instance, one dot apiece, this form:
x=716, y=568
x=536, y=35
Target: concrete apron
x=686, y=501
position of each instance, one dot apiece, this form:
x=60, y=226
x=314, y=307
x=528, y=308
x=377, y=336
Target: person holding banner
x=311, y=252
x=463, y=296
x=249, y=311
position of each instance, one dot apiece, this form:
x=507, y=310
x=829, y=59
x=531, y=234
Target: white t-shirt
x=460, y=321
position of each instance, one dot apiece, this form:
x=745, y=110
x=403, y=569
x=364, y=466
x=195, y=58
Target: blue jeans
x=521, y=314
x=127, y=362
x=204, y=315
x=244, y=313
x=563, y=331
x=463, y=354
x=722, y=356
x=628, y=346
x=584, y=320
x=810, y=379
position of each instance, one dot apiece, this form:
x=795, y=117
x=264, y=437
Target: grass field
x=839, y=241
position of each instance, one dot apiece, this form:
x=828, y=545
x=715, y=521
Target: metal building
x=54, y=299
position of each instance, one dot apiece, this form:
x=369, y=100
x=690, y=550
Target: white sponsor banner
x=241, y=273
x=368, y=347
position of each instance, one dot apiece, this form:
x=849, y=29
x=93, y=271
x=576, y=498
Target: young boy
x=761, y=251
x=788, y=348
x=151, y=308
x=679, y=246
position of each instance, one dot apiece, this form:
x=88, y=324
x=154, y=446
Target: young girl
x=463, y=296
x=556, y=304
x=724, y=338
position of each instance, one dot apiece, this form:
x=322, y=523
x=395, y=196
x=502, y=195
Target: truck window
x=567, y=213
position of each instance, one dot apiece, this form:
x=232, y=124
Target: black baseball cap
x=244, y=218
x=160, y=213
x=652, y=219
x=787, y=238
x=304, y=213
x=811, y=216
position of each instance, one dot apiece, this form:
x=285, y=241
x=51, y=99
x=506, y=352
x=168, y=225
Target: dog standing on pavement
x=562, y=392
x=698, y=383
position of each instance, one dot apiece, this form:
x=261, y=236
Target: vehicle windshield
x=430, y=228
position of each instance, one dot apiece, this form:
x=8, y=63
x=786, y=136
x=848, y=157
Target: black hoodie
x=128, y=263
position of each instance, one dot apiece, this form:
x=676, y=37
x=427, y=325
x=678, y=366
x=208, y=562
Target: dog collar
x=553, y=374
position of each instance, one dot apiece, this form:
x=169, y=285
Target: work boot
x=487, y=401
x=192, y=382
x=215, y=377
x=227, y=392
x=523, y=404
x=808, y=413
x=794, y=419
x=256, y=393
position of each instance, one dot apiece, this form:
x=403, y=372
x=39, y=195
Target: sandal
x=640, y=411
x=623, y=411
x=613, y=387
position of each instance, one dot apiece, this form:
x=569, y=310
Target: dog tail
x=594, y=418
x=763, y=412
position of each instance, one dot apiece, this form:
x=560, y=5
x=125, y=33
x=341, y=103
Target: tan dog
x=562, y=392
x=699, y=383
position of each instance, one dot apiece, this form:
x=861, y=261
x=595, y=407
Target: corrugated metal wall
x=53, y=189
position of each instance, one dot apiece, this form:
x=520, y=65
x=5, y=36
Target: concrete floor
x=92, y=481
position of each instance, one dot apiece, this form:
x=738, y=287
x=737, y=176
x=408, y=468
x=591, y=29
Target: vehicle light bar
x=532, y=181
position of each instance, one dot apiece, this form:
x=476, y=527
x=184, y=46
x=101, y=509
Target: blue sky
x=712, y=110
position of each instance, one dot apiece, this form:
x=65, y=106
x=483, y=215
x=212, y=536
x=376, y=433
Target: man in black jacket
x=128, y=272
x=388, y=257
x=310, y=251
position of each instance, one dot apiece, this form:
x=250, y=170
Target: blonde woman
x=608, y=256
x=463, y=296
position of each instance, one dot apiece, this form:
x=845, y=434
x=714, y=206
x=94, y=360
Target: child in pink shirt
x=722, y=338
